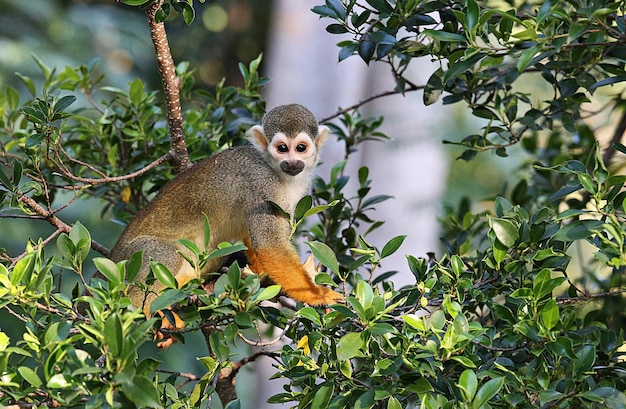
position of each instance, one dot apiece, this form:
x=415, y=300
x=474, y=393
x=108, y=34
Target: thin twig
x=92, y=181
x=368, y=100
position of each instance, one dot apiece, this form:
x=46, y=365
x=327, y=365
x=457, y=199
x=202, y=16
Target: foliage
x=522, y=308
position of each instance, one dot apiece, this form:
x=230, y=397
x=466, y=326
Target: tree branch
x=171, y=83
x=58, y=223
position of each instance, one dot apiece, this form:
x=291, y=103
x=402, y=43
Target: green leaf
x=544, y=11
x=421, y=386
x=457, y=265
x=109, y=269
x=365, y=401
x=219, y=346
x=163, y=274
x=414, y=321
x=437, y=320
x=133, y=265
x=488, y=391
x=393, y=403
x=468, y=382
x=349, y=346
x=58, y=381
x=505, y=231
x=23, y=269
x=434, y=87
x=325, y=255
x=588, y=183
x=544, y=284
x=136, y=92
x=114, y=334
x=82, y=240
x=324, y=11
x=227, y=250
x=392, y=246
x=310, y=314
x=142, y=392
x=166, y=299
x=18, y=169
x=338, y=7
x=135, y=2
x=526, y=57
x=319, y=209
x=234, y=276
x=63, y=103
x=65, y=246
x=471, y=14
x=444, y=35
x=302, y=207
x=30, y=84
x=579, y=229
x=336, y=29
x=576, y=29
x=268, y=293
x=550, y=314
x=30, y=376
x=365, y=294
x=463, y=360
x=323, y=395
x=501, y=206
x=461, y=66
x=188, y=12
x=607, y=81
x=357, y=307
x=585, y=358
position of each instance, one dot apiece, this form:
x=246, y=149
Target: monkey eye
x=282, y=148
x=301, y=147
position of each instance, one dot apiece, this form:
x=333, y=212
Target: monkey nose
x=292, y=167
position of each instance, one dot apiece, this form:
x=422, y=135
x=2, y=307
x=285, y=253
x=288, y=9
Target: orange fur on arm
x=283, y=267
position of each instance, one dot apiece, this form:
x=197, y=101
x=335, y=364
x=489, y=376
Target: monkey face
x=289, y=139
x=294, y=154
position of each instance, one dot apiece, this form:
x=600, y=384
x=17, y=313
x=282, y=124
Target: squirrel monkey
x=234, y=189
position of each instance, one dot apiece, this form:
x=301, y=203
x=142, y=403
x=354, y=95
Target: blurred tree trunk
x=302, y=62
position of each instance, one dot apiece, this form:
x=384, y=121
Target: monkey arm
x=279, y=260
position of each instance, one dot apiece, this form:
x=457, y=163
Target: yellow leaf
x=303, y=344
x=125, y=194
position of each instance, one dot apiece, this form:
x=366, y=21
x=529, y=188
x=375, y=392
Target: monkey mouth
x=292, y=169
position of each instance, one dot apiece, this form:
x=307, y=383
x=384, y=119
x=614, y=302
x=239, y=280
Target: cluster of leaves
x=183, y=7
x=496, y=321
x=569, y=47
x=53, y=146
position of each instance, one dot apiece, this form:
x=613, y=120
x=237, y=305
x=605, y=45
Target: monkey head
x=289, y=137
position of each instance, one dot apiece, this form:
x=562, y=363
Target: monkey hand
x=165, y=340
x=328, y=296
x=321, y=297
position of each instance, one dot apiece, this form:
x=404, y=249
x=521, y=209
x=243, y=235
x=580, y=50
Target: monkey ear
x=256, y=136
x=322, y=135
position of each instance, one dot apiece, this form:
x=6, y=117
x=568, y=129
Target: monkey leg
x=166, y=253
x=283, y=267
